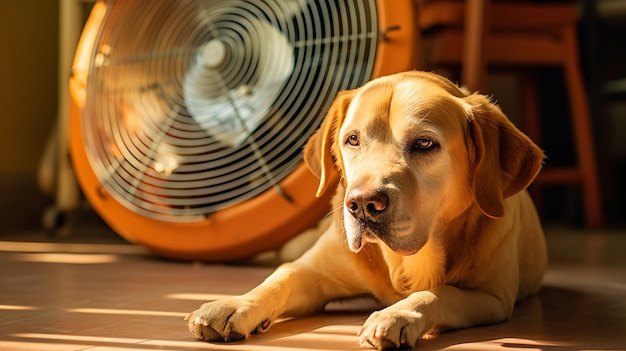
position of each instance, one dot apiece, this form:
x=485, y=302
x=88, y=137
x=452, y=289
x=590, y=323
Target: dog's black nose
x=360, y=203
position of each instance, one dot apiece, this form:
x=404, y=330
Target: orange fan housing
x=264, y=222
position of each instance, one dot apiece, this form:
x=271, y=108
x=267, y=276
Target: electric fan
x=188, y=117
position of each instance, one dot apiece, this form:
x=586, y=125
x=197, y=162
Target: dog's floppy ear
x=506, y=161
x=319, y=152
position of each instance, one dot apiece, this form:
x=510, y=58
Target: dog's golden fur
x=432, y=217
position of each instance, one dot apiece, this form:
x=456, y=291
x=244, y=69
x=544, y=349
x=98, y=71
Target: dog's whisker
x=333, y=211
x=367, y=253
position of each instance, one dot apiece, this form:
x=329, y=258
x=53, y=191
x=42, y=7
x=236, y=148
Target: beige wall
x=28, y=81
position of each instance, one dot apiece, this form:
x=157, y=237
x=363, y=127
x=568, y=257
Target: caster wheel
x=56, y=222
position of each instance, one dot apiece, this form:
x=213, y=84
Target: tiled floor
x=107, y=295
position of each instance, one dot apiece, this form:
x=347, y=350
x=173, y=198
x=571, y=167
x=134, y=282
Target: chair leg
x=532, y=125
x=474, y=66
x=583, y=134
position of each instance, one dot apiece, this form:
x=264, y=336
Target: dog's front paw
x=392, y=329
x=227, y=320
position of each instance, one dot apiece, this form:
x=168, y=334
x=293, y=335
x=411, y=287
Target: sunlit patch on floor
x=198, y=297
x=68, y=258
x=127, y=312
x=18, y=308
x=20, y=246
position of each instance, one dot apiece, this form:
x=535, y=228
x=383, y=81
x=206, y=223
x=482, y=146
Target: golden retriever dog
x=433, y=219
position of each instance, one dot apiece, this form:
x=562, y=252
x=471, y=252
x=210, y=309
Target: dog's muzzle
x=365, y=210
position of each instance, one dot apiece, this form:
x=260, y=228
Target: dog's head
x=416, y=151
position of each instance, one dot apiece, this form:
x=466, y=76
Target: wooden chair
x=479, y=33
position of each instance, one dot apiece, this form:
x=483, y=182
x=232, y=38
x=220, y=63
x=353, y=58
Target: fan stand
x=55, y=173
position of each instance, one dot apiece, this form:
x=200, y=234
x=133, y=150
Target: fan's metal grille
x=195, y=106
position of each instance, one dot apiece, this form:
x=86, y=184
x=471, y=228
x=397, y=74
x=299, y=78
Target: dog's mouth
x=362, y=231
x=359, y=232
x=365, y=231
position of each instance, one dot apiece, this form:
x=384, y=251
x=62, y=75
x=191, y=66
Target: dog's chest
x=421, y=271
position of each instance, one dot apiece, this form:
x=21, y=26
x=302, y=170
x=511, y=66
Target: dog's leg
x=299, y=288
x=447, y=307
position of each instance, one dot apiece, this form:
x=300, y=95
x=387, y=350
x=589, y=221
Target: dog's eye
x=424, y=144
x=353, y=140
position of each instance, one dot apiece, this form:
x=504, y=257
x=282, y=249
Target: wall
x=28, y=98
x=28, y=81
